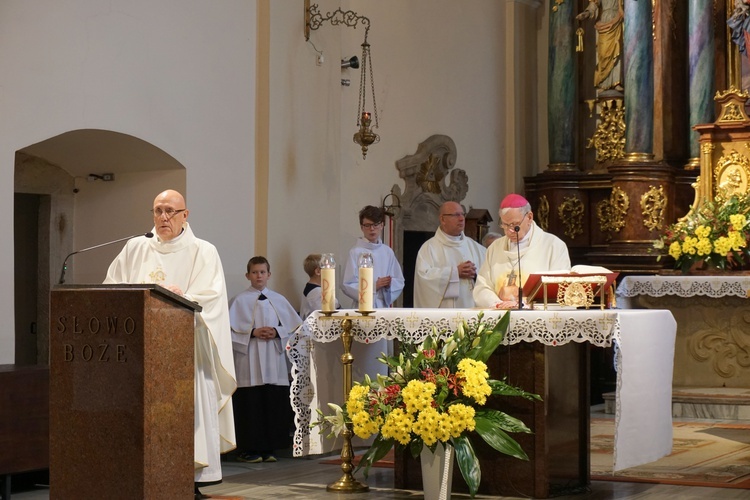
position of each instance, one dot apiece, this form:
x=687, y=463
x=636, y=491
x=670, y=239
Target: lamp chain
x=362, y=81
x=372, y=87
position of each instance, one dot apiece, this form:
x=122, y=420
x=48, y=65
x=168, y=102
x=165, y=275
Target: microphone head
x=149, y=234
x=516, y=229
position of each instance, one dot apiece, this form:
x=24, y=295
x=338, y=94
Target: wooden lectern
x=121, y=392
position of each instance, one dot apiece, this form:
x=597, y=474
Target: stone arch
x=59, y=182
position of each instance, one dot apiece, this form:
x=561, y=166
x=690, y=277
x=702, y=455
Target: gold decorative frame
x=612, y=213
x=542, y=214
x=731, y=174
x=654, y=206
x=571, y=212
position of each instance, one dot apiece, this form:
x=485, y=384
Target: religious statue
x=609, y=15
x=739, y=24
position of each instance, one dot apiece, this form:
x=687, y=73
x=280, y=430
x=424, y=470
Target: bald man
x=447, y=263
x=190, y=267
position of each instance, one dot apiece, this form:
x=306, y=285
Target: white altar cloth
x=712, y=336
x=684, y=286
x=643, y=418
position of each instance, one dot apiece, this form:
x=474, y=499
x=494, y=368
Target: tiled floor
x=306, y=478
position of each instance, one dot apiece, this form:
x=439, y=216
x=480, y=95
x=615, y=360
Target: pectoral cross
x=512, y=278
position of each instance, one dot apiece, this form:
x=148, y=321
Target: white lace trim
x=685, y=286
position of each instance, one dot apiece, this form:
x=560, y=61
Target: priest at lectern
x=525, y=249
x=190, y=267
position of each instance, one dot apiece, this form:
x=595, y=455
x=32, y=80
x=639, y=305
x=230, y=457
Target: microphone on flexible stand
x=64, y=266
x=520, y=288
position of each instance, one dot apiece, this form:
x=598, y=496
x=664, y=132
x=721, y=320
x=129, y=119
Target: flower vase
x=437, y=472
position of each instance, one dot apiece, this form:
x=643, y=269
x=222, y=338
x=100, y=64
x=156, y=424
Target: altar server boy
x=262, y=321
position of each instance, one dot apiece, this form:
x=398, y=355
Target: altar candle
x=366, y=283
x=328, y=282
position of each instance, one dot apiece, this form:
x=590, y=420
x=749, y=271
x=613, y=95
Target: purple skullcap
x=513, y=201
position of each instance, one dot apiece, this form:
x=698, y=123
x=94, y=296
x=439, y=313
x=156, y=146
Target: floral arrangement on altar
x=435, y=395
x=713, y=235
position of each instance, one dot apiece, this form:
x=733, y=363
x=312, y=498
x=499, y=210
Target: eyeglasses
x=512, y=225
x=170, y=212
x=457, y=214
x=373, y=225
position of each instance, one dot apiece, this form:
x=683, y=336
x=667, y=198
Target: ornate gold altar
x=725, y=149
x=624, y=155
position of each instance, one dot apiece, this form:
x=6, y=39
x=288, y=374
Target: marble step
x=720, y=403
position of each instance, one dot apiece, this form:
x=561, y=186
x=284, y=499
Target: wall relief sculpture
x=431, y=180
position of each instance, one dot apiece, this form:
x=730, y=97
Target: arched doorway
x=65, y=202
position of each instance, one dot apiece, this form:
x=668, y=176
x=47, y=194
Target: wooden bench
x=24, y=421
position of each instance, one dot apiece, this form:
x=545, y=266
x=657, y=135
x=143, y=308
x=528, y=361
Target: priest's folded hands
x=507, y=304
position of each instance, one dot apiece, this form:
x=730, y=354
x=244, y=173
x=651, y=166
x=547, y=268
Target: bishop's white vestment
x=540, y=251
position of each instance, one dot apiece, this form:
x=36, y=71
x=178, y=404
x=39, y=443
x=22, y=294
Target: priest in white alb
x=447, y=263
x=525, y=249
x=190, y=267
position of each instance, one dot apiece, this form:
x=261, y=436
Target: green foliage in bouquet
x=435, y=394
x=715, y=234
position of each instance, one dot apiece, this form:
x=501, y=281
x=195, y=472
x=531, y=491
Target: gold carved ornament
x=430, y=175
x=542, y=214
x=653, y=207
x=731, y=175
x=604, y=216
x=611, y=213
x=609, y=137
x=574, y=291
x=707, y=148
x=575, y=294
x=571, y=214
x=732, y=103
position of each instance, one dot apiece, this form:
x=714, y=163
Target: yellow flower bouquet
x=435, y=394
x=715, y=235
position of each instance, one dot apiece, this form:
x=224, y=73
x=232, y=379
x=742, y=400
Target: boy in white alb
x=389, y=283
x=262, y=321
x=312, y=295
x=389, y=279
